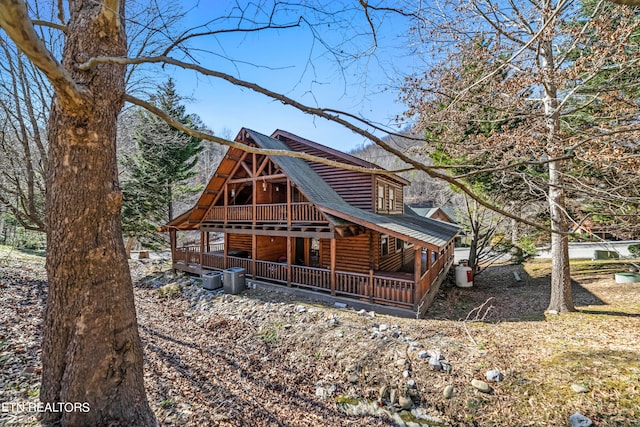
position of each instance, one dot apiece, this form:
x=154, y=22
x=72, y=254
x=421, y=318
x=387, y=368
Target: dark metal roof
x=409, y=227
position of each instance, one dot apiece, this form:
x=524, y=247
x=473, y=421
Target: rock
x=411, y=383
x=333, y=321
x=372, y=314
x=579, y=388
x=414, y=344
x=321, y=393
x=434, y=361
x=393, y=396
x=405, y=402
x=383, y=393
x=383, y=327
x=339, y=305
x=446, y=366
x=481, y=386
x=324, y=392
x=422, y=354
x=314, y=310
x=406, y=374
x=362, y=312
x=448, y=392
x=401, y=363
x=300, y=308
x=579, y=420
x=494, y=375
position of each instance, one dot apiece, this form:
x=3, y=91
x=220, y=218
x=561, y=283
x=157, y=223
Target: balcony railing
x=278, y=212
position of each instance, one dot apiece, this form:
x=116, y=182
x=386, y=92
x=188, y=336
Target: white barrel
x=463, y=276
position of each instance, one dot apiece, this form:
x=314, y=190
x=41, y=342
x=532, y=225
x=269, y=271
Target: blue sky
x=295, y=63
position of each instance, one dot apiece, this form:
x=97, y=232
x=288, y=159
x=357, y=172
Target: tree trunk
x=170, y=204
x=561, y=297
x=128, y=246
x=91, y=348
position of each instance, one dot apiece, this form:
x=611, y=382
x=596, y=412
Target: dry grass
x=597, y=347
x=256, y=360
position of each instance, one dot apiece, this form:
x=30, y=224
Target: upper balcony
x=298, y=213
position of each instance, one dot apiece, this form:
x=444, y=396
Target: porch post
x=289, y=257
x=333, y=265
x=254, y=254
x=417, y=277
x=370, y=288
x=225, y=250
x=201, y=250
x=289, y=204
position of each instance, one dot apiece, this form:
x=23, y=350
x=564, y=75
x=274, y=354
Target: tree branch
x=319, y=112
x=53, y=25
x=626, y=2
x=268, y=152
x=15, y=21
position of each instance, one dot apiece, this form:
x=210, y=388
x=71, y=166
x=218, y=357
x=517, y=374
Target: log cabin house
x=309, y=225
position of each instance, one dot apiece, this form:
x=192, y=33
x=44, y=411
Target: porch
x=398, y=289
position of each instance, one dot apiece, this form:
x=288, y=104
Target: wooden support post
x=225, y=261
x=226, y=210
x=201, y=250
x=371, y=286
x=289, y=204
x=417, y=277
x=371, y=264
x=254, y=254
x=289, y=258
x=254, y=195
x=333, y=266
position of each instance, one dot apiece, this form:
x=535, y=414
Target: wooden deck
x=385, y=288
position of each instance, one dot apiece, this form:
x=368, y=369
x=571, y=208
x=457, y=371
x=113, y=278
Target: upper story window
x=392, y=200
x=381, y=197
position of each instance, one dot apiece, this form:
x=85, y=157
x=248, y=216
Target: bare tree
x=512, y=96
x=24, y=106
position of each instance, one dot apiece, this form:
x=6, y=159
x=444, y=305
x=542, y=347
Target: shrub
x=171, y=290
x=634, y=250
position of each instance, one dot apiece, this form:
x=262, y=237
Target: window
x=392, y=200
x=399, y=245
x=380, y=197
x=384, y=240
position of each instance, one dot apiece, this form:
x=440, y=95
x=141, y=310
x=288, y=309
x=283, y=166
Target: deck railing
x=276, y=212
x=376, y=288
x=187, y=254
x=310, y=277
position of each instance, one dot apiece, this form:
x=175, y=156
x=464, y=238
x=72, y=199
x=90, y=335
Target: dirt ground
x=265, y=358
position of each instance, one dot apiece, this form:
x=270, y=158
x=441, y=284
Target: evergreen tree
x=159, y=168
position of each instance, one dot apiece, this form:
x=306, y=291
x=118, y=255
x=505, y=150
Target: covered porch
x=410, y=290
